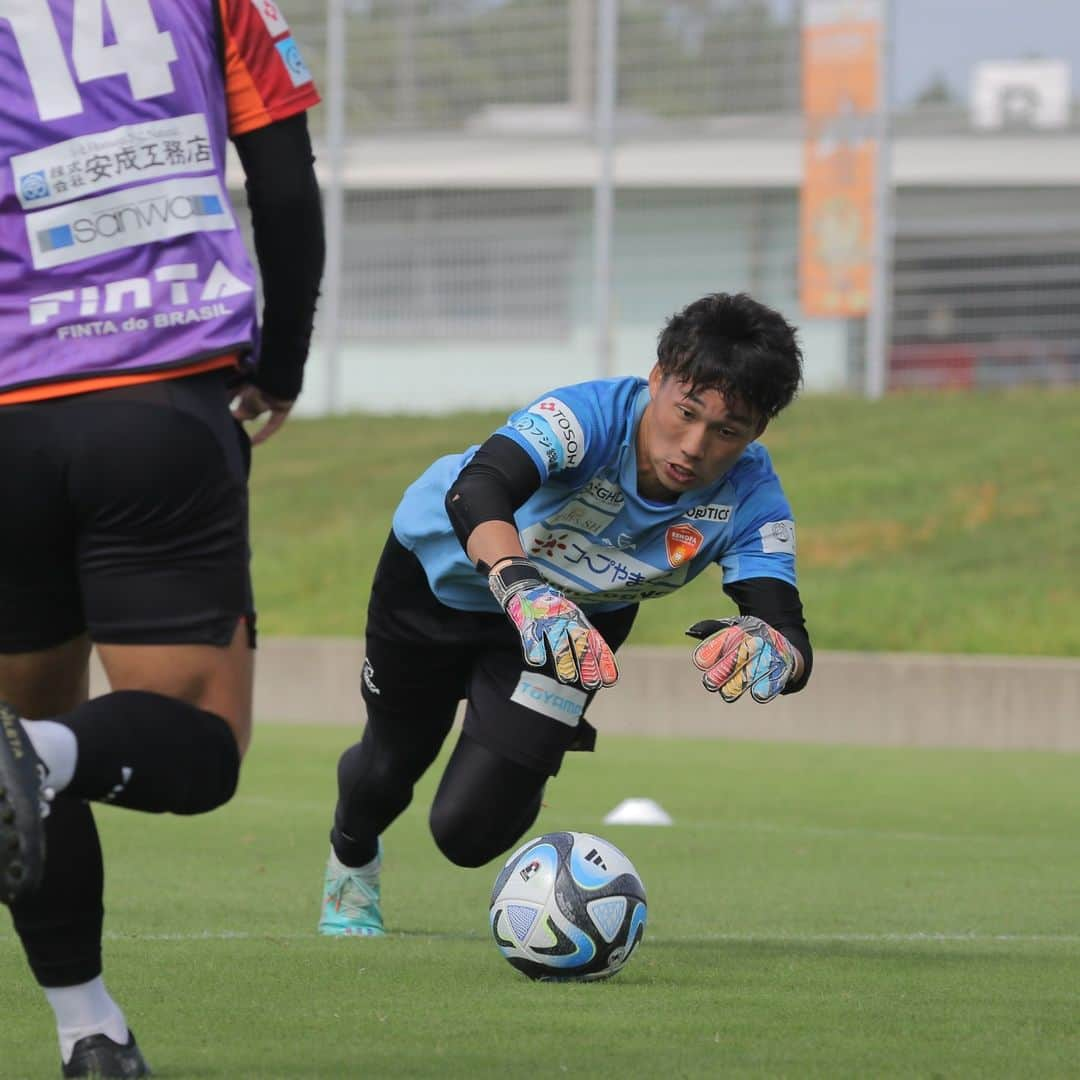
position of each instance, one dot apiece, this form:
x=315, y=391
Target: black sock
x=146, y=751
x=60, y=922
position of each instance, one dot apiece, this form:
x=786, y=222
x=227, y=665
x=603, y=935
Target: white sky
x=950, y=36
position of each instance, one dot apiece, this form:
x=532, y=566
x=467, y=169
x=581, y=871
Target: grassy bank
x=944, y=523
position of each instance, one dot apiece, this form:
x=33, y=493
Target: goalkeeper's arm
x=481, y=502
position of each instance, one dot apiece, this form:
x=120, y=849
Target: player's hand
x=250, y=403
x=743, y=653
x=546, y=619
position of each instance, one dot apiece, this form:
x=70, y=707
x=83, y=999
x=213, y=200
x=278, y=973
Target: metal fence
x=474, y=259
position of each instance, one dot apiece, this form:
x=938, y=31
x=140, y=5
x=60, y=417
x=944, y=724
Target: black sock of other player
x=146, y=751
x=60, y=923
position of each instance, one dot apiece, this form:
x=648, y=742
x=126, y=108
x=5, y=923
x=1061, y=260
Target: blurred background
x=519, y=192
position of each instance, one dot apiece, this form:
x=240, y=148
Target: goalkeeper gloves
x=742, y=653
x=543, y=615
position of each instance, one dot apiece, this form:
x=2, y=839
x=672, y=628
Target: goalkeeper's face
x=689, y=438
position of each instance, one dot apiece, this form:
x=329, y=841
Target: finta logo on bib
x=682, y=543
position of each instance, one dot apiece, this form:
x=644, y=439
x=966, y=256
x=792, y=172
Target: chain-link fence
x=467, y=262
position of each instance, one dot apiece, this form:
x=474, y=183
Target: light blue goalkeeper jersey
x=587, y=528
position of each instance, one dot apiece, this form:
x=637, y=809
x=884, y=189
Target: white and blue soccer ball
x=568, y=906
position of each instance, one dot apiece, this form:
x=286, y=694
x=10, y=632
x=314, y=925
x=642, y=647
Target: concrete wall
x=896, y=699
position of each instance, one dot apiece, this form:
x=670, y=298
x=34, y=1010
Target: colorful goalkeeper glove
x=742, y=653
x=542, y=614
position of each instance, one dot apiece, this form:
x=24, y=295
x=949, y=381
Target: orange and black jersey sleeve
x=266, y=78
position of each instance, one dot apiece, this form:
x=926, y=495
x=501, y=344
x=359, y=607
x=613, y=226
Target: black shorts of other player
x=128, y=518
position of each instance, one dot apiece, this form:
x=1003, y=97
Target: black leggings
x=423, y=659
x=484, y=803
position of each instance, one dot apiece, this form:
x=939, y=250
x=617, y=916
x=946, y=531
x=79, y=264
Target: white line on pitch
x=913, y=937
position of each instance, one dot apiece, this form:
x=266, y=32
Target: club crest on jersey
x=682, y=543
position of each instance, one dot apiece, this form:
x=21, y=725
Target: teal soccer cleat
x=351, y=899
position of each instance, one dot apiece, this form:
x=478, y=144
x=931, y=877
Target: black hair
x=731, y=343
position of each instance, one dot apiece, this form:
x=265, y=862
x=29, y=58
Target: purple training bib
x=119, y=249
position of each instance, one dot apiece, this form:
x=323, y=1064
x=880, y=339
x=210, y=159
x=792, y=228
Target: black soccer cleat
x=23, y=804
x=97, y=1057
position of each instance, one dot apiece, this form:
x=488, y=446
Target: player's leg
x=68, y=903
x=187, y=762
x=153, y=509
x=519, y=723
x=376, y=777
x=48, y=681
x=154, y=493
x=414, y=675
x=484, y=804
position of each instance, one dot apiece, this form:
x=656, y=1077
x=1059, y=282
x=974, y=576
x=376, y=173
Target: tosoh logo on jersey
x=553, y=429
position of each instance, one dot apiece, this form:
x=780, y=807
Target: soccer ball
x=568, y=905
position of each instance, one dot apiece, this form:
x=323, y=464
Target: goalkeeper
x=513, y=573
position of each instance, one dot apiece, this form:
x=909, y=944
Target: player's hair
x=732, y=343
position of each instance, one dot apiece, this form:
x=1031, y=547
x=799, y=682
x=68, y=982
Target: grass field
x=814, y=911
x=943, y=523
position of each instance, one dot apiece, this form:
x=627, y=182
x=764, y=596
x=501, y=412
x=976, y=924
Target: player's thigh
x=521, y=713
x=159, y=486
x=40, y=596
x=158, y=481
x=219, y=679
x=418, y=658
x=484, y=803
x=48, y=682
x=412, y=693
x=524, y=713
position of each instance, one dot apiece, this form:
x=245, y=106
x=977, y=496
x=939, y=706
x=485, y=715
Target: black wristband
x=483, y=568
x=514, y=575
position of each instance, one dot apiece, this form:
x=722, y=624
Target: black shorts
x=125, y=515
x=423, y=658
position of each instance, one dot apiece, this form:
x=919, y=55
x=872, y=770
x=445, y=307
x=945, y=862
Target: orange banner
x=841, y=57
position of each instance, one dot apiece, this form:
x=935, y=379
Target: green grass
x=814, y=911
x=938, y=523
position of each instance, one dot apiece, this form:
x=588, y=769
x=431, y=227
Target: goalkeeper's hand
x=543, y=615
x=743, y=653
